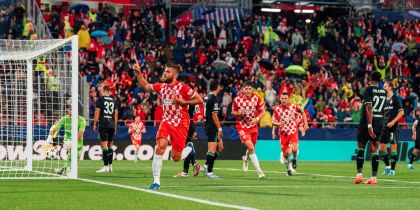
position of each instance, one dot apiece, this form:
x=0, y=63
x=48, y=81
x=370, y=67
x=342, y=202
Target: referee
x=213, y=128
x=106, y=117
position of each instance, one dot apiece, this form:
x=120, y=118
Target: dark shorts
x=417, y=144
x=389, y=136
x=364, y=137
x=107, y=134
x=212, y=135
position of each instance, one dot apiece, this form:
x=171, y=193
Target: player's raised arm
x=142, y=82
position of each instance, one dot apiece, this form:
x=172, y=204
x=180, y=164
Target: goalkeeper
x=65, y=122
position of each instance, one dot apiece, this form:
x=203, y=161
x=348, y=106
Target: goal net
x=38, y=86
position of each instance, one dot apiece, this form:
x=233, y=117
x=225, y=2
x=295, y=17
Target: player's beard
x=166, y=79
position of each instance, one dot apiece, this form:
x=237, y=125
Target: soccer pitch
x=317, y=185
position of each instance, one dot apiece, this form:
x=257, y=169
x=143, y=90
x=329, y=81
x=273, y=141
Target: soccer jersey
x=65, y=122
x=211, y=105
x=375, y=96
x=391, y=109
x=288, y=117
x=173, y=113
x=136, y=131
x=108, y=107
x=252, y=106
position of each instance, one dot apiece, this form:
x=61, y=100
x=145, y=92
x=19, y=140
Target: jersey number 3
x=109, y=107
x=378, y=103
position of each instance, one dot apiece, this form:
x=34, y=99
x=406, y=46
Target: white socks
x=255, y=162
x=286, y=163
x=156, y=168
x=185, y=152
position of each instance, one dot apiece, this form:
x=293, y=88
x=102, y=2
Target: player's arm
x=236, y=111
x=215, y=116
x=399, y=115
x=195, y=99
x=275, y=119
x=261, y=107
x=130, y=130
x=143, y=128
x=142, y=82
x=116, y=118
x=273, y=131
x=414, y=129
x=96, y=118
x=81, y=129
x=305, y=121
x=369, y=114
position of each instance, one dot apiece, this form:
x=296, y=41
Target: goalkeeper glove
x=67, y=146
x=49, y=139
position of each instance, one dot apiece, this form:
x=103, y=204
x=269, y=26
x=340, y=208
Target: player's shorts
x=136, y=141
x=106, y=134
x=363, y=135
x=212, y=134
x=177, y=135
x=286, y=141
x=246, y=134
x=389, y=136
x=417, y=144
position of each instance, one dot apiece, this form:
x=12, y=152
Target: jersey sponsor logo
x=167, y=101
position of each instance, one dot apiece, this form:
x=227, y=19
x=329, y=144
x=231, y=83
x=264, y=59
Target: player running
x=393, y=112
x=65, y=122
x=416, y=138
x=213, y=129
x=136, y=130
x=370, y=127
x=106, y=113
x=176, y=98
x=288, y=117
x=248, y=109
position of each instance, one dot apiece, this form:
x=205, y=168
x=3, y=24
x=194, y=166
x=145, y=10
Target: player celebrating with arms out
x=393, y=112
x=286, y=116
x=370, y=127
x=135, y=130
x=248, y=109
x=176, y=97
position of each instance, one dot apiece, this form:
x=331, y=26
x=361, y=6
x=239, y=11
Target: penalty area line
x=326, y=175
x=197, y=200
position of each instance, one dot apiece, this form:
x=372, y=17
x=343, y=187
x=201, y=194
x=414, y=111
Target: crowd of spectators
x=337, y=54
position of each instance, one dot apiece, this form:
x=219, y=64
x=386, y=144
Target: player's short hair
x=388, y=82
x=105, y=88
x=177, y=67
x=248, y=84
x=214, y=84
x=284, y=93
x=376, y=76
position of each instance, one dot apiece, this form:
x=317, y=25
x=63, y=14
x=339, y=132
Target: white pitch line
x=324, y=175
x=291, y=186
x=169, y=195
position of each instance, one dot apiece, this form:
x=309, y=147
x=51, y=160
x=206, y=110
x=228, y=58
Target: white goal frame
x=21, y=55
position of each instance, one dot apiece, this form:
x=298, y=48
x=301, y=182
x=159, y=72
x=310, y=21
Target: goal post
x=38, y=87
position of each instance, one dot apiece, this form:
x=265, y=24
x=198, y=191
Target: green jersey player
x=65, y=122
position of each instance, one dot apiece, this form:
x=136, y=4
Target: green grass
x=307, y=190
